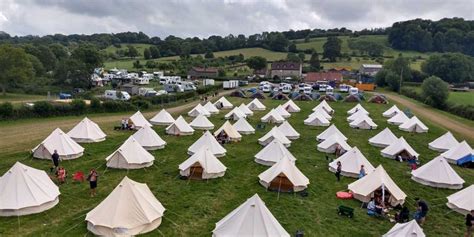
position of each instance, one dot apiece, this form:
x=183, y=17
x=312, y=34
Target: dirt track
x=435, y=117
x=23, y=134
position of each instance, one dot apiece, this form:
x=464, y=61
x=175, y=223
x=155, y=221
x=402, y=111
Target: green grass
x=462, y=98
x=15, y=98
x=140, y=48
x=193, y=207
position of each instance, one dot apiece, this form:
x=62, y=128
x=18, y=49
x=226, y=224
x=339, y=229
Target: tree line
x=445, y=35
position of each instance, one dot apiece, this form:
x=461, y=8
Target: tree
x=434, y=92
x=399, y=66
x=393, y=80
x=137, y=64
x=292, y=48
x=221, y=72
x=292, y=57
x=89, y=55
x=132, y=51
x=146, y=53
x=450, y=67
x=72, y=73
x=15, y=67
x=332, y=48
x=380, y=78
x=209, y=55
x=256, y=62
x=155, y=53
x=314, y=63
x=302, y=56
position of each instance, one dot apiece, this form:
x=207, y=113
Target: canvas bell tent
x=357, y=115
x=291, y=107
x=285, y=114
x=288, y=131
x=351, y=162
x=333, y=143
x=408, y=229
x=243, y=127
x=363, y=189
x=437, y=173
x=272, y=117
x=443, y=143
x=228, y=131
x=399, y=148
x=138, y=120
x=223, y=103
x=321, y=112
x=413, y=125
x=272, y=153
x=162, y=118
x=317, y=120
x=211, y=108
x=130, y=209
x=392, y=111
x=209, y=141
x=149, y=139
x=363, y=123
x=462, y=201
x=202, y=165
x=86, y=131
x=457, y=152
x=273, y=134
x=255, y=104
x=245, y=109
x=235, y=114
x=202, y=123
x=284, y=176
x=383, y=138
x=398, y=119
x=180, y=128
x=67, y=148
x=199, y=110
x=357, y=108
x=251, y=219
x=130, y=155
x=25, y=190
x=329, y=132
x=325, y=106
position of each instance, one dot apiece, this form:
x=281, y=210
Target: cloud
x=203, y=18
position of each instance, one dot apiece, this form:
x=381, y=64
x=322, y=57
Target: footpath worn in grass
x=193, y=207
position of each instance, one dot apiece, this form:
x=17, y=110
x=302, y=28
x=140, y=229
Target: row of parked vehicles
x=287, y=88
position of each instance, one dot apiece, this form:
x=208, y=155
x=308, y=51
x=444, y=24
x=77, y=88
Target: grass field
x=20, y=98
x=193, y=207
x=463, y=98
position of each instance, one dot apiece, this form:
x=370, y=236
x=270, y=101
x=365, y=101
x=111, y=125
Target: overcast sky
x=203, y=18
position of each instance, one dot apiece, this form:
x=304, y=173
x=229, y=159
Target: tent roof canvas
x=392, y=111
x=211, y=108
x=457, y=152
x=444, y=142
x=201, y=122
x=357, y=108
x=413, y=125
x=383, y=138
x=288, y=130
x=235, y=114
x=285, y=114
x=132, y=153
x=317, y=120
x=329, y=145
x=209, y=141
x=245, y=110
x=272, y=117
x=60, y=141
x=351, y=162
x=362, y=188
x=437, y=173
x=130, y=206
x=291, y=106
x=197, y=110
x=274, y=133
x=139, y=120
x=272, y=153
x=23, y=187
x=181, y=125
x=148, y=138
x=289, y=169
x=398, y=119
x=208, y=161
x=462, y=201
x=229, y=130
x=400, y=145
x=322, y=112
x=363, y=123
x=408, y=229
x=87, y=131
x=243, y=127
x=162, y=118
x=329, y=132
x=251, y=218
x=255, y=104
x=357, y=115
x=324, y=105
x=225, y=103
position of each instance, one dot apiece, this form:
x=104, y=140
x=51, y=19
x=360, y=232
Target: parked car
x=307, y=90
x=286, y=88
x=353, y=91
x=266, y=88
x=147, y=92
x=322, y=87
x=329, y=90
x=344, y=88
x=116, y=95
x=65, y=96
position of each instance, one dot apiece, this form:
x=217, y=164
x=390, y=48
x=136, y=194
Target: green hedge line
x=465, y=111
x=42, y=109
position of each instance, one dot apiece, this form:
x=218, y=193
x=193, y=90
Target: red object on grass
x=344, y=195
x=78, y=176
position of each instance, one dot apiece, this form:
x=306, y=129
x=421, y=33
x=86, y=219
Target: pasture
x=193, y=207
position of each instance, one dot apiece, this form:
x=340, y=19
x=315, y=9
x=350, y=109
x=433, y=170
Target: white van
x=322, y=87
x=286, y=88
x=344, y=88
x=353, y=91
x=329, y=90
x=266, y=88
x=307, y=90
x=116, y=95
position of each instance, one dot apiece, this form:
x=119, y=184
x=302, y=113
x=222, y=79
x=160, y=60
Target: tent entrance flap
x=195, y=172
x=281, y=184
x=404, y=154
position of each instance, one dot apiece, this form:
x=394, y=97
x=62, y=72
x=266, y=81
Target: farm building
x=313, y=77
x=369, y=69
x=202, y=72
x=286, y=69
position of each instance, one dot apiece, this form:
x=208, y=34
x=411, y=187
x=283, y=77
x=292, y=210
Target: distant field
x=20, y=98
x=140, y=48
x=463, y=98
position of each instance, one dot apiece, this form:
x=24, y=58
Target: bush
x=95, y=104
x=411, y=93
x=43, y=108
x=465, y=111
x=116, y=106
x=392, y=80
x=141, y=103
x=6, y=110
x=434, y=92
x=78, y=106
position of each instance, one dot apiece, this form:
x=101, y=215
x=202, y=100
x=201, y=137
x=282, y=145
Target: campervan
x=329, y=90
x=116, y=95
x=308, y=90
x=286, y=88
x=353, y=91
x=322, y=87
x=147, y=92
x=344, y=88
x=266, y=88
x=141, y=81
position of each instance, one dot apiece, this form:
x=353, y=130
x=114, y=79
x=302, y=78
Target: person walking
x=422, y=211
x=362, y=172
x=469, y=222
x=338, y=171
x=92, y=178
x=55, y=159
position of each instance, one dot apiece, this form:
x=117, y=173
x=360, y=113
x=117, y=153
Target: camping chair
x=346, y=211
x=260, y=126
x=78, y=176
